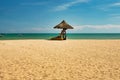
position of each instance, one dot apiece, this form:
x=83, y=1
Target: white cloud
x=109, y=6
x=114, y=17
x=115, y=4
x=69, y=4
x=98, y=27
x=108, y=26
x=78, y=28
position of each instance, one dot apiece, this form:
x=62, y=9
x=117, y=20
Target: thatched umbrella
x=64, y=26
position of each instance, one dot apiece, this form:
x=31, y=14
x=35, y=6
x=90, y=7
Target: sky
x=40, y=16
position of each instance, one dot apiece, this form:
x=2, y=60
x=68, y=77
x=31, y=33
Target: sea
x=47, y=36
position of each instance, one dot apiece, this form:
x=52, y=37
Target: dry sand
x=60, y=60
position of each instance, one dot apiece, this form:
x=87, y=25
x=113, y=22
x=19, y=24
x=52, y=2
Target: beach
x=60, y=60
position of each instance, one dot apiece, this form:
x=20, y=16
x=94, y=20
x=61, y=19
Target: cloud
x=98, y=27
x=108, y=26
x=114, y=18
x=115, y=4
x=109, y=6
x=69, y=4
x=78, y=28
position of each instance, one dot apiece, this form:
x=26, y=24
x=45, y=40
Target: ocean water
x=17, y=36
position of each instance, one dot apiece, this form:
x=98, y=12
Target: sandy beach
x=60, y=60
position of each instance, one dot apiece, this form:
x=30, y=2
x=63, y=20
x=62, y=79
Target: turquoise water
x=17, y=36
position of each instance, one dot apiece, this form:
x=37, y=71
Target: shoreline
x=49, y=36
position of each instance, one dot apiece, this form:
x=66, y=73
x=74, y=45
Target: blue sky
x=40, y=16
